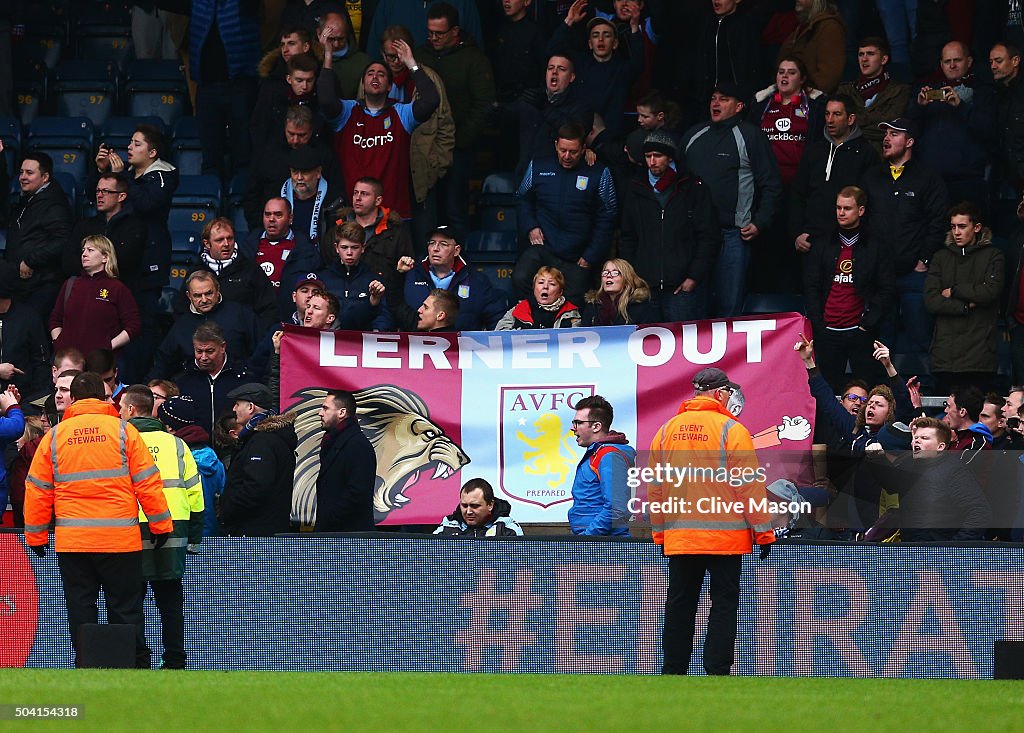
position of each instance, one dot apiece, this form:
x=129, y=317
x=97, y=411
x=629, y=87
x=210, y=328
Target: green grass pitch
x=186, y=702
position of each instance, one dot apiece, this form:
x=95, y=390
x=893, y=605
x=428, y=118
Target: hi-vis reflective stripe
x=175, y=542
x=144, y=473
x=45, y=485
x=96, y=522
x=723, y=454
x=91, y=475
x=180, y=482
x=157, y=517
x=30, y=528
x=766, y=527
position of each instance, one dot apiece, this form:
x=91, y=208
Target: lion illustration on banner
x=406, y=441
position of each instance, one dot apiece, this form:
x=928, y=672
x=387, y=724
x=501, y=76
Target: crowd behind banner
x=670, y=162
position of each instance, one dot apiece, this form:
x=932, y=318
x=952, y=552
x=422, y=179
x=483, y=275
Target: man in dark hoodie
x=600, y=494
x=828, y=165
x=39, y=224
x=479, y=514
x=258, y=495
x=348, y=469
x=670, y=231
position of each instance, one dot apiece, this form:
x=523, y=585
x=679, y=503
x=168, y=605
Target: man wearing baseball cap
x=735, y=161
x=670, y=231
x=908, y=222
x=706, y=516
x=257, y=497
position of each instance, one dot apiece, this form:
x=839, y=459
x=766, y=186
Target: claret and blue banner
x=441, y=408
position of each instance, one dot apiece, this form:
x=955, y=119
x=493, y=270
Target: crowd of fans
x=668, y=157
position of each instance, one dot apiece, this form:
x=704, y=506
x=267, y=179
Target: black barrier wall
x=405, y=603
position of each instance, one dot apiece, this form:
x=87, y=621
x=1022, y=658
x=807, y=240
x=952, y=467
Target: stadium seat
x=492, y=246
x=29, y=94
x=196, y=201
x=85, y=88
x=498, y=205
x=499, y=273
x=116, y=132
x=103, y=42
x=234, y=208
x=757, y=303
x=42, y=44
x=188, y=151
x=68, y=140
x=70, y=186
x=3, y=239
x=10, y=133
x=185, y=244
x=156, y=88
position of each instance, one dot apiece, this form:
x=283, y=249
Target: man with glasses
x=854, y=396
x=600, y=494
x=116, y=221
x=162, y=390
x=480, y=306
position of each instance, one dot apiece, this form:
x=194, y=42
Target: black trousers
x=833, y=349
x=170, y=602
x=577, y=280
x=685, y=577
x=118, y=574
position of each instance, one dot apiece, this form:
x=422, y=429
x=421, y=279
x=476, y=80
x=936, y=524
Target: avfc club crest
x=537, y=448
x=387, y=123
x=581, y=182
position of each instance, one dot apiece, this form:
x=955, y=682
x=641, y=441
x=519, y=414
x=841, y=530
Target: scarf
x=193, y=435
x=332, y=435
x=607, y=309
x=403, y=81
x=253, y=421
x=218, y=266
x=321, y=194
x=544, y=315
x=667, y=179
x=868, y=88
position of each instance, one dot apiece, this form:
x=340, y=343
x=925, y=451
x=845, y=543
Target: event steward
x=710, y=541
x=94, y=471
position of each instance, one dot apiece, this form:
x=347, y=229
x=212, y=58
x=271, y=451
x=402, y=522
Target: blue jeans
x=731, y=275
x=900, y=20
x=674, y=307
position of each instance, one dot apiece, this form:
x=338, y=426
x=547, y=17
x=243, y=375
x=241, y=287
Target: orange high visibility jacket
x=708, y=498
x=92, y=471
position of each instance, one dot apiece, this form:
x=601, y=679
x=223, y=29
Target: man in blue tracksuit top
x=567, y=212
x=600, y=495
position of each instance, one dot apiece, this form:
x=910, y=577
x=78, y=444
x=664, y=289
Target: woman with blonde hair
x=623, y=298
x=547, y=308
x=94, y=309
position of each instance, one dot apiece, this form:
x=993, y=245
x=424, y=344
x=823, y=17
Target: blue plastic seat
x=188, y=150
x=104, y=42
x=43, y=44
x=185, y=244
x=68, y=140
x=156, y=88
x=29, y=95
x=85, y=88
x=501, y=244
x=196, y=202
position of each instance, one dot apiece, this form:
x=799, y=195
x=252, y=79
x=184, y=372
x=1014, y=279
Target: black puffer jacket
x=257, y=497
x=39, y=225
x=907, y=217
x=25, y=343
x=668, y=244
x=150, y=197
